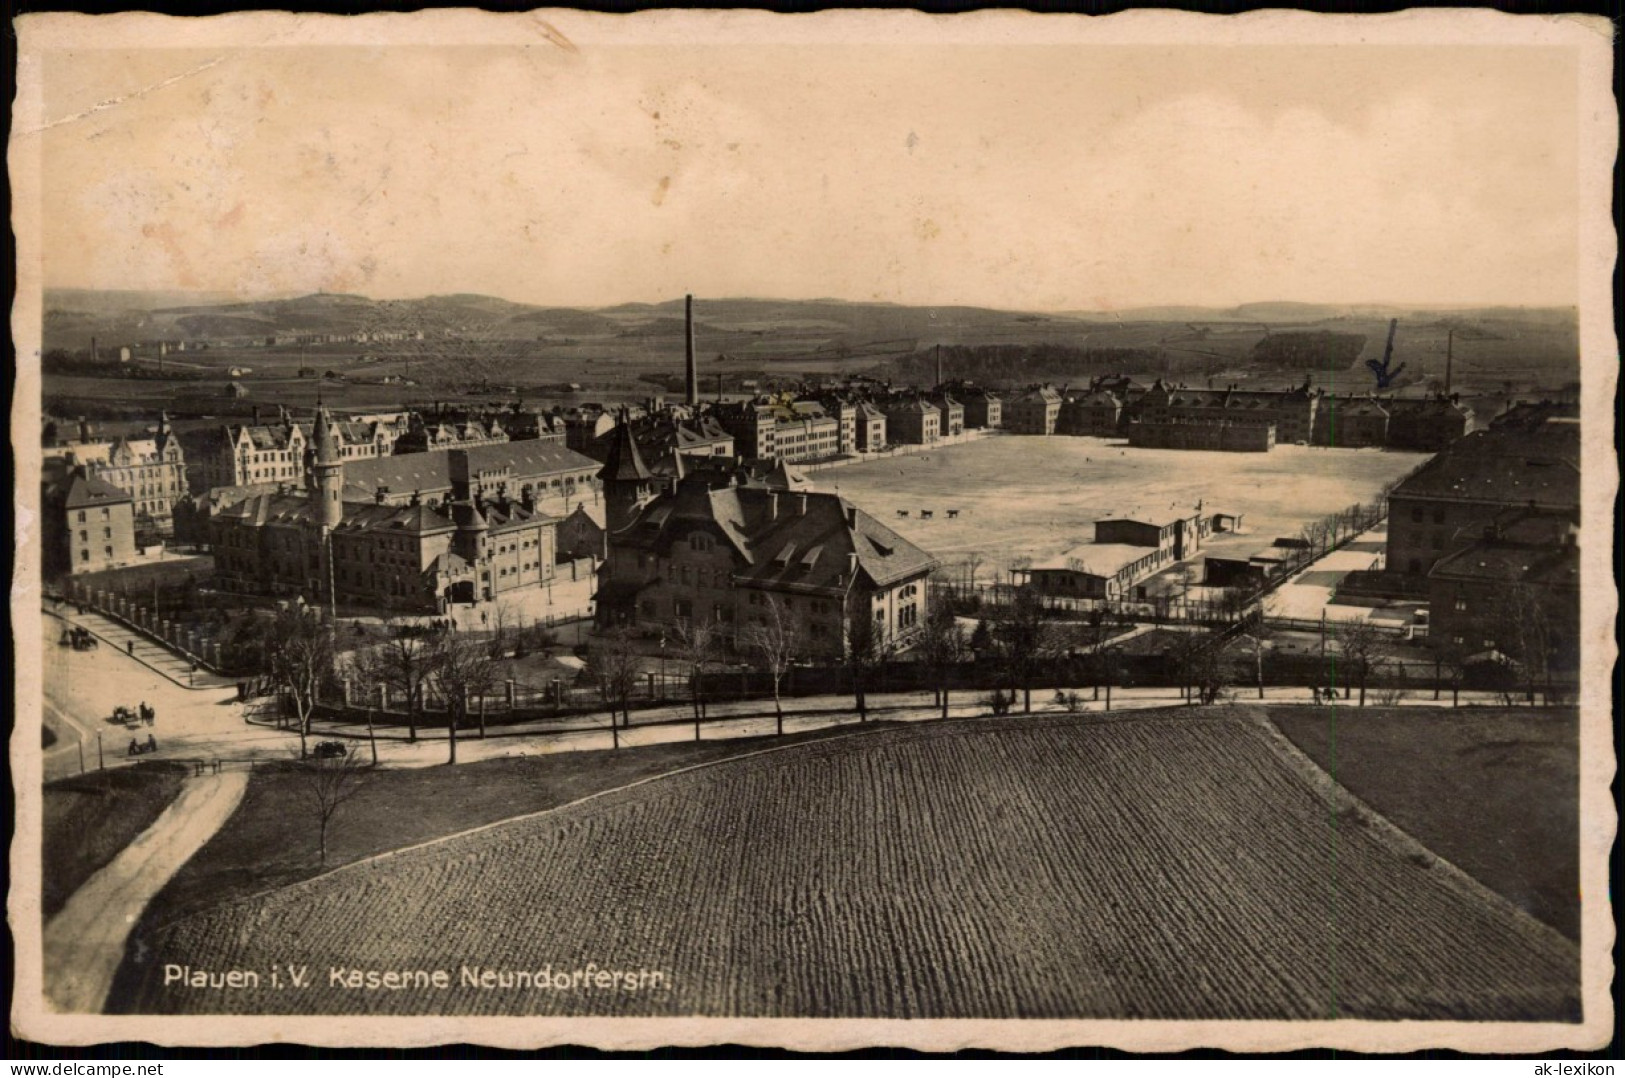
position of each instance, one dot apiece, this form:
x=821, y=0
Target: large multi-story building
x=661, y=437
x=1096, y=414
x=795, y=431
x=1221, y=435
x=1350, y=423
x=1475, y=480
x=1510, y=586
x=414, y=557
x=543, y=473
x=1292, y=412
x=871, y=426
x=913, y=421
x=1032, y=411
x=951, y=422
x=1427, y=424
x=983, y=409
x=88, y=525
x=151, y=470
x=424, y=435
x=700, y=549
x=240, y=455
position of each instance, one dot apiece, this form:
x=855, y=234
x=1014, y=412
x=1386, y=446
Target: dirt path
x=84, y=944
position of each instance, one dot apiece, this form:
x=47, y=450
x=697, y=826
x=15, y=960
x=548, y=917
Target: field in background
x=1021, y=496
x=480, y=344
x=1151, y=867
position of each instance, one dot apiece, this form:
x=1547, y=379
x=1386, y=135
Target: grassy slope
x=89, y=819
x=1495, y=791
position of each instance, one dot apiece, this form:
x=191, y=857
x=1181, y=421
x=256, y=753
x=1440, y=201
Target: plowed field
x=1157, y=867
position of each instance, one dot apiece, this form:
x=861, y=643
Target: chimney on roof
x=851, y=516
x=84, y=429
x=379, y=495
x=417, y=498
x=692, y=374
x=772, y=505
x=801, y=504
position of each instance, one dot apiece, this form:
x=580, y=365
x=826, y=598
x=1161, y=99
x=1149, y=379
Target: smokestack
x=94, y=356
x=692, y=382
x=939, y=366
x=1449, y=359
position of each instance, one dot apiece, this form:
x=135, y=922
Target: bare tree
x=1200, y=665
x=695, y=646
x=325, y=785
x=1523, y=632
x=866, y=648
x=943, y=646
x=1364, y=649
x=461, y=668
x=973, y=563
x=401, y=663
x=501, y=619
x=612, y=665
x=1257, y=634
x=1026, y=637
x=775, y=641
x=299, y=656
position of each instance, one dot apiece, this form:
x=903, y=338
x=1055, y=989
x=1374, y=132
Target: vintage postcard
x=856, y=529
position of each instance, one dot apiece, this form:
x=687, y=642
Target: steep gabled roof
x=624, y=463
x=82, y=492
x=781, y=539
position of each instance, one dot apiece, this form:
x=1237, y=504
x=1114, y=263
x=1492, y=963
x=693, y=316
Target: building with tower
x=416, y=557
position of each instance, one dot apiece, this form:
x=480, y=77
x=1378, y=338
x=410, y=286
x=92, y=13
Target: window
x=1416, y=514
x=1461, y=604
x=108, y=551
x=84, y=555
x=107, y=533
x=81, y=516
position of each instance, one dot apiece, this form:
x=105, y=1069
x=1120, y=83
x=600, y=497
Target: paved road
x=84, y=944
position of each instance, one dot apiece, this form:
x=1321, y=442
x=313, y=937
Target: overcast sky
x=1034, y=176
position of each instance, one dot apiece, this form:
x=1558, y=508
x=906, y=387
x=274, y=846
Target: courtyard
x=1017, y=497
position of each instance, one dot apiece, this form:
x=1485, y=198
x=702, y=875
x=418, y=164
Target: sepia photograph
x=830, y=531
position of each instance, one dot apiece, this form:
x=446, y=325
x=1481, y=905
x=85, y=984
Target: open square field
x=1037, y=497
x=1162, y=865
x=1493, y=790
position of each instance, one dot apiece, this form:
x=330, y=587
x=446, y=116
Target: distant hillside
x=1491, y=346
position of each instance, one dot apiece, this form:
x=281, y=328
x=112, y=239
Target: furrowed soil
x=1156, y=865
x=90, y=818
x=1495, y=790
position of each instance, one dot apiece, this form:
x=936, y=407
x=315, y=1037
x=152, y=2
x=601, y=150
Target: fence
x=192, y=643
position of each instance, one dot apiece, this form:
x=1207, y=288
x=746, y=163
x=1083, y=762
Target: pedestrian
x=1316, y=690
x=129, y=646
x=152, y=743
x=135, y=747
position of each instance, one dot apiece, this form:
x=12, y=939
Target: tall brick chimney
x=692, y=383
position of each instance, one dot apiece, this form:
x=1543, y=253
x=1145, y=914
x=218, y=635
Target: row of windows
x=105, y=515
